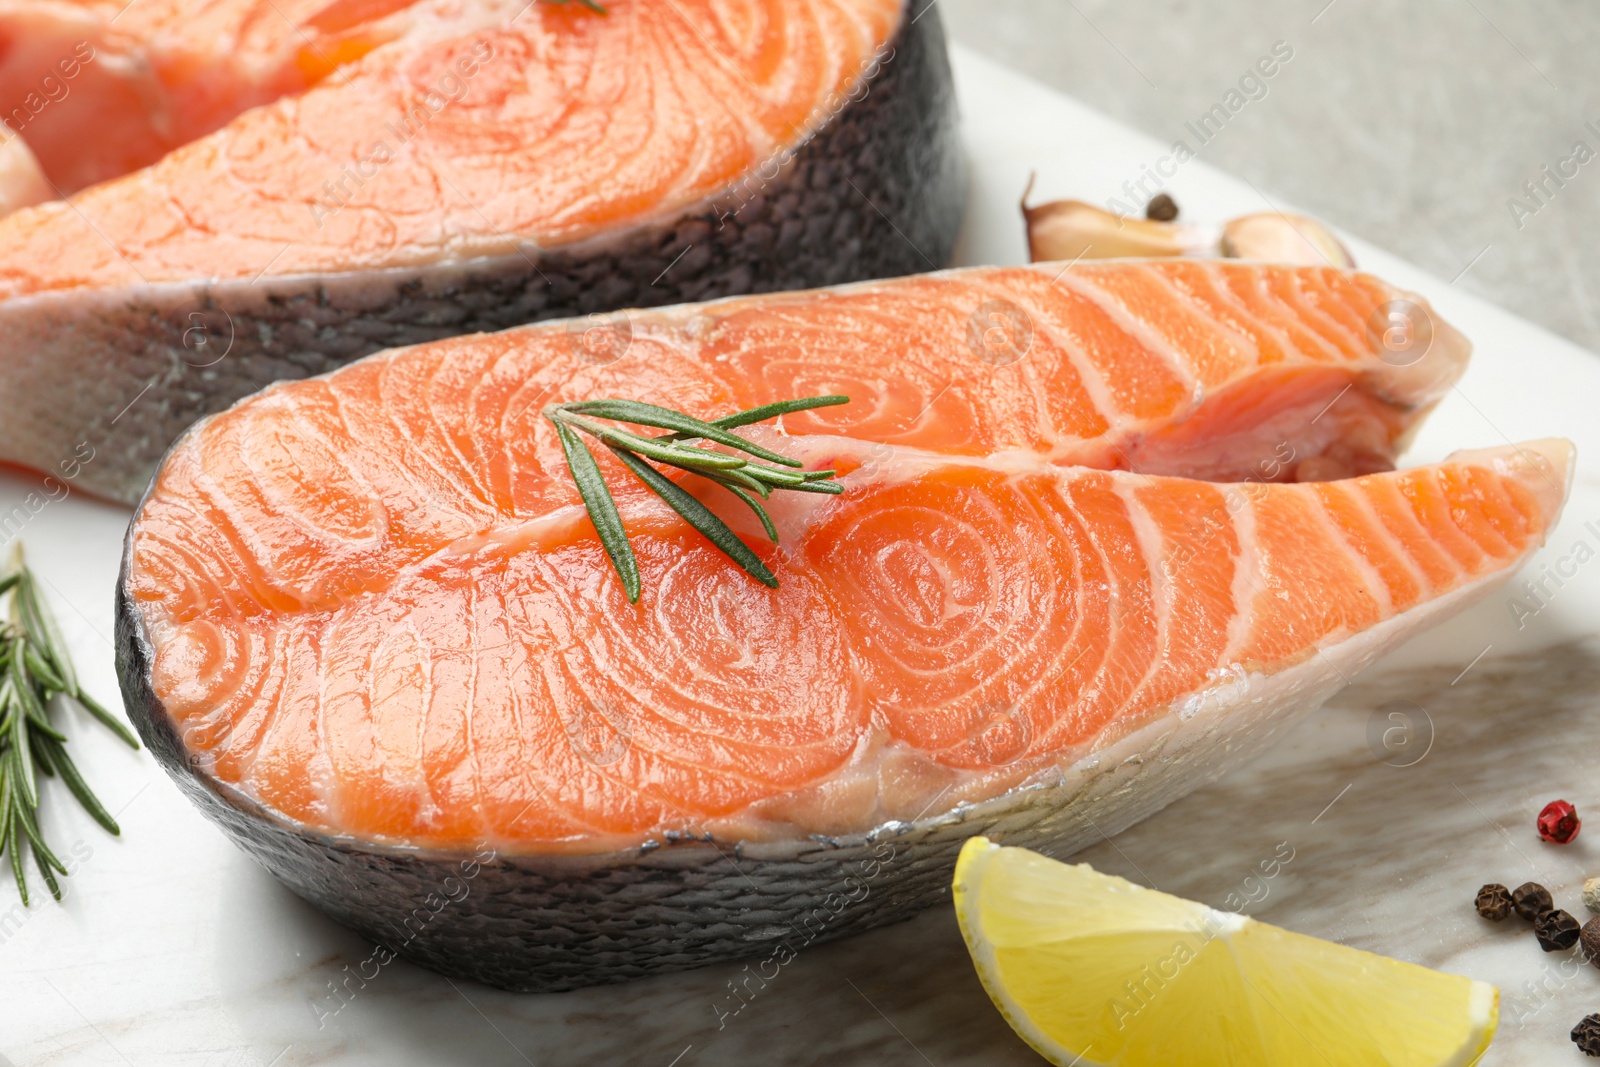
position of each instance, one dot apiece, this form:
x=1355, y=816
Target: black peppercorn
x=1556, y=930
x=1591, y=940
x=1494, y=901
x=1587, y=1035
x=1531, y=900
x=1161, y=208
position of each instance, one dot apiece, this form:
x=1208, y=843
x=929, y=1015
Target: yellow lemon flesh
x=1094, y=971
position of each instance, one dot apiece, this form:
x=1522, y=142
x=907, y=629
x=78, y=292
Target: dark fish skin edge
x=542, y=924
x=545, y=924
x=879, y=191
x=535, y=923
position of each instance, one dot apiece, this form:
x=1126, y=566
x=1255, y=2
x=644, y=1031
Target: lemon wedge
x=1094, y=971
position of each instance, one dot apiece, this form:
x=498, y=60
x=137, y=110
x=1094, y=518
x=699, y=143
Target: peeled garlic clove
x=1072, y=229
x=1272, y=237
x=22, y=181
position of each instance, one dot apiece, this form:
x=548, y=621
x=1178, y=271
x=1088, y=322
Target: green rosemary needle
x=34, y=670
x=744, y=478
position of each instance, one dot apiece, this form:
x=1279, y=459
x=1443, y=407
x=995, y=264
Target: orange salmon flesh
x=220, y=140
x=378, y=607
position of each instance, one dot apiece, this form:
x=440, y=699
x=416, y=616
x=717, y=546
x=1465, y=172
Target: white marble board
x=173, y=949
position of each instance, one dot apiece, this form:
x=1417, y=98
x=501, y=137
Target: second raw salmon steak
x=266, y=191
x=1104, y=533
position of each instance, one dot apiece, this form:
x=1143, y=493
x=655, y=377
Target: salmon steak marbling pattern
x=378, y=606
x=252, y=190
x=1080, y=566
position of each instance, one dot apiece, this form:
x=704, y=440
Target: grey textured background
x=1410, y=124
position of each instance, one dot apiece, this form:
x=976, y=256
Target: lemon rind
x=969, y=868
x=1483, y=999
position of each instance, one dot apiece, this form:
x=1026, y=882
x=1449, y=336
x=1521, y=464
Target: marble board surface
x=173, y=949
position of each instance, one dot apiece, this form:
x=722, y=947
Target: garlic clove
x=1072, y=229
x=1272, y=237
x=22, y=180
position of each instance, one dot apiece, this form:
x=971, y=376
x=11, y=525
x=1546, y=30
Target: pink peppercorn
x=1559, y=822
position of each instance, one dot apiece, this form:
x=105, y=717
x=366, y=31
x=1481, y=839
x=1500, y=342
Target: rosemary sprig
x=744, y=478
x=34, y=670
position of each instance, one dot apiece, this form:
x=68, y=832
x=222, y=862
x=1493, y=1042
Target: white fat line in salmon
x=51, y=90
x=341, y=993
x=1234, y=497
x=749, y=188
x=802, y=931
x=880, y=464
x=449, y=88
x=1153, y=177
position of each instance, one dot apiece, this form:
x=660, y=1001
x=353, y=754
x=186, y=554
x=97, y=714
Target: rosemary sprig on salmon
x=422, y=656
x=742, y=477
x=34, y=670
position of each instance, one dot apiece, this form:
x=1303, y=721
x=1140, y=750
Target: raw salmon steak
x=266, y=189
x=1105, y=532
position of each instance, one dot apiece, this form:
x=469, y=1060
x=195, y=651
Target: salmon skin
x=285, y=187
x=1081, y=566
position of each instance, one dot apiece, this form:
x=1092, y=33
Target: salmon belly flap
x=375, y=605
